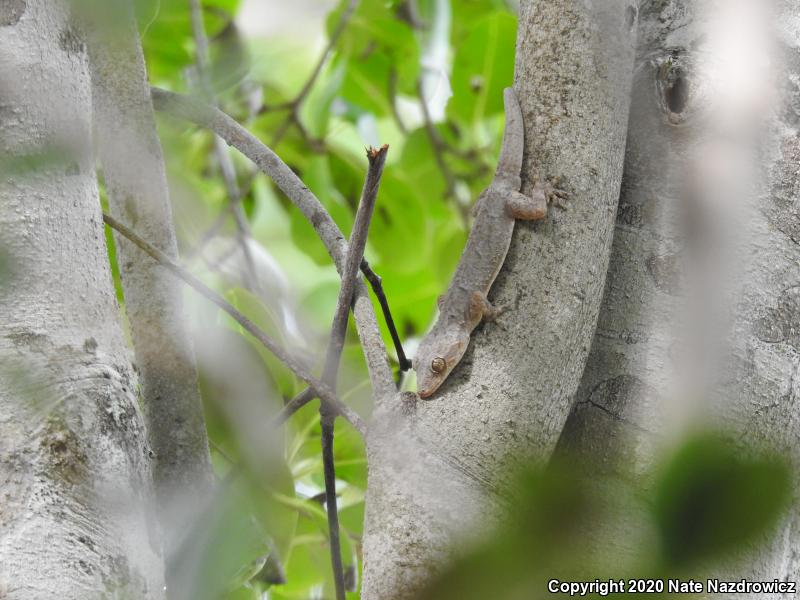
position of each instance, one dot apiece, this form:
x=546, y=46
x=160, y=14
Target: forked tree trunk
x=74, y=460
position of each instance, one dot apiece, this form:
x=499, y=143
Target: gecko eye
x=438, y=365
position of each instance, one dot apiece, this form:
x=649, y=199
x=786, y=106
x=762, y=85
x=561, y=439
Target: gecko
x=465, y=304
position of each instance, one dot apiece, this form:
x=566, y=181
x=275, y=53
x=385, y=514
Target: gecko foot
x=554, y=193
x=481, y=308
x=493, y=313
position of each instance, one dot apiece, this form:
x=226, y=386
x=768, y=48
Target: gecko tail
x=510, y=163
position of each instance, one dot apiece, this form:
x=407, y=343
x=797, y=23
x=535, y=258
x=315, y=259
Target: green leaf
x=483, y=66
x=350, y=459
x=167, y=38
x=229, y=60
x=317, y=175
x=319, y=304
x=470, y=12
x=308, y=565
x=224, y=549
x=266, y=318
x=366, y=83
x=245, y=592
x=375, y=45
x=713, y=499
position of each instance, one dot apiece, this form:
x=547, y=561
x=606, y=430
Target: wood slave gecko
x=465, y=304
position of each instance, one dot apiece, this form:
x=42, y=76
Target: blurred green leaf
x=168, y=42
x=483, y=66
x=713, y=499
x=266, y=318
x=374, y=47
x=224, y=549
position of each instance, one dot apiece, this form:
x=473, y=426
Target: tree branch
x=129, y=149
x=376, y=284
x=190, y=109
x=329, y=472
x=355, y=254
x=226, y=166
x=320, y=389
x=306, y=396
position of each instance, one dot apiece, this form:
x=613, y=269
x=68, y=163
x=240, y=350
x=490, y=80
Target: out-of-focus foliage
x=707, y=502
x=367, y=93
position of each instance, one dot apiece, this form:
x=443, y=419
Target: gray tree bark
x=618, y=415
x=437, y=468
x=135, y=178
x=75, y=519
x=628, y=403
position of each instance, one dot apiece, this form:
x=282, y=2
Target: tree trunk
x=437, y=468
x=74, y=461
x=629, y=397
x=619, y=410
x=133, y=170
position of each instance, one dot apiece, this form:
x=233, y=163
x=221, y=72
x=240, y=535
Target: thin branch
x=353, y=263
x=329, y=472
x=320, y=389
x=376, y=283
x=337, y=33
x=436, y=142
x=295, y=103
x=220, y=150
x=291, y=407
x=290, y=184
x=410, y=12
x=355, y=254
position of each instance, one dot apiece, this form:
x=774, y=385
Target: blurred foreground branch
x=320, y=389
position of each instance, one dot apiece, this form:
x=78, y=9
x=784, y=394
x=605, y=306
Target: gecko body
x=465, y=304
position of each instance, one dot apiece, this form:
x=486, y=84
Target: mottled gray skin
x=465, y=304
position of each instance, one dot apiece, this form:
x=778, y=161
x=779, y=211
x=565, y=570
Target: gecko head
x=438, y=354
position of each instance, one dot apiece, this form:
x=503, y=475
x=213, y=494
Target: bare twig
x=376, y=284
x=337, y=33
x=331, y=505
x=439, y=148
x=353, y=263
x=355, y=254
x=320, y=389
x=291, y=407
x=221, y=151
x=234, y=134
